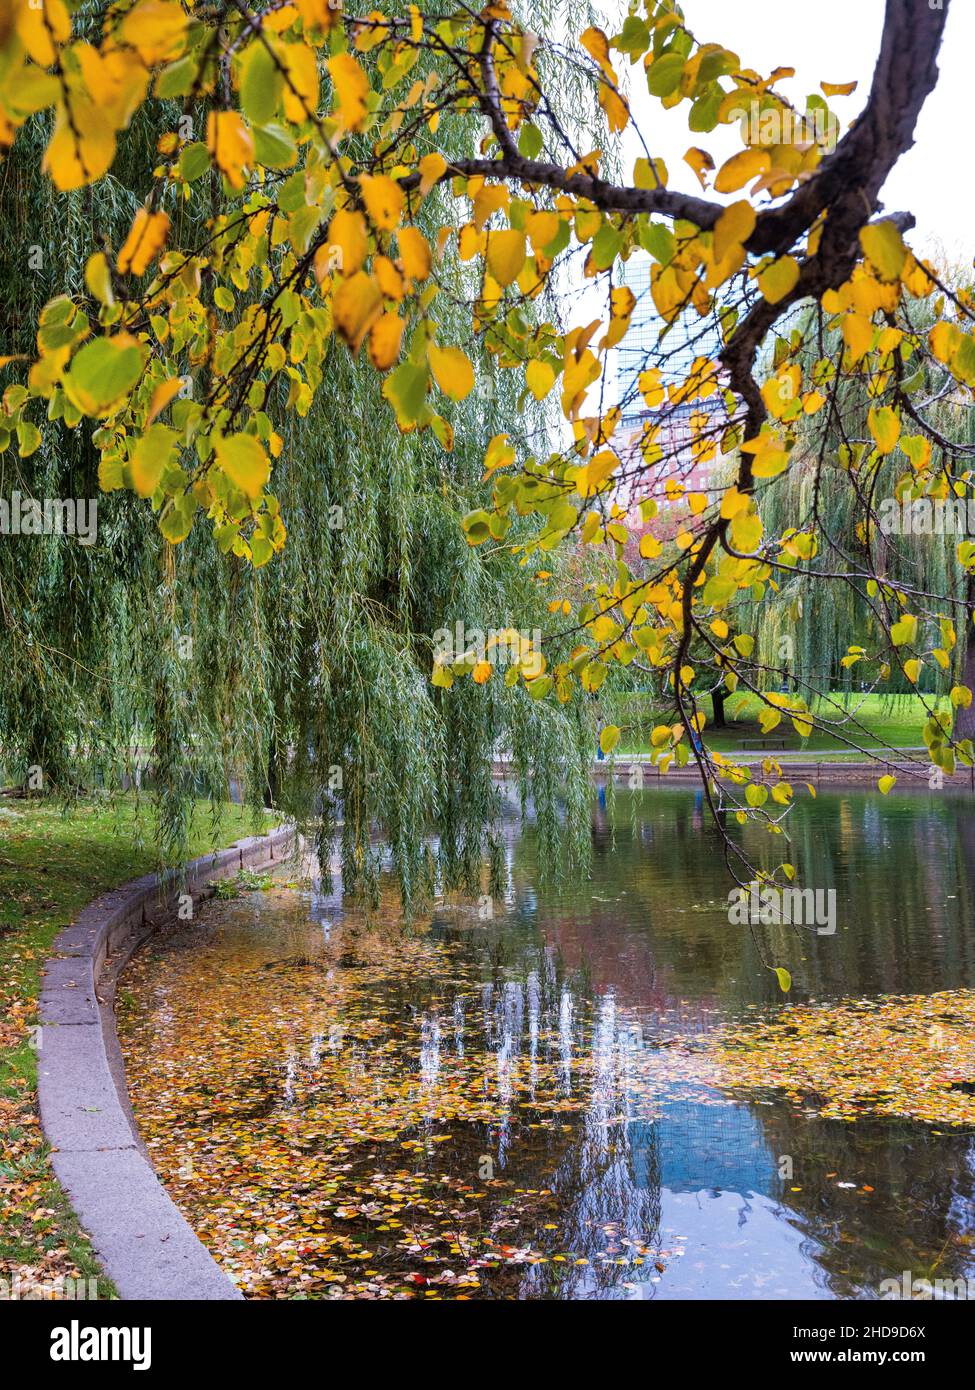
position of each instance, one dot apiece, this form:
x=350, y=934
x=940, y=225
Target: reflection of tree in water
x=532, y=1013
x=923, y=1198
x=903, y=871
x=904, y=874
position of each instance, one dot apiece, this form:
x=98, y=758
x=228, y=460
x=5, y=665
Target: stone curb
x=145, y=1245
x=844, y=776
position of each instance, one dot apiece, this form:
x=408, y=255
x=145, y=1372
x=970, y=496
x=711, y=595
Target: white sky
x=835, y=41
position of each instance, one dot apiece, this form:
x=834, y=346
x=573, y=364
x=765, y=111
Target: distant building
x=643, y=349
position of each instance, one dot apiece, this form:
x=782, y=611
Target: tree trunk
x=965, y=718
x=718, y=698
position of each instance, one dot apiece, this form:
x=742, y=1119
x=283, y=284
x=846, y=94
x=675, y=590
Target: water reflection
x=534, y=1076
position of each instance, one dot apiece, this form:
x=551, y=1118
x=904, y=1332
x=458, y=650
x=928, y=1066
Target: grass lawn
x=873, y=720
x=52, y=863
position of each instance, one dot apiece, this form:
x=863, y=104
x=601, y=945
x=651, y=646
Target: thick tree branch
x=846, y=185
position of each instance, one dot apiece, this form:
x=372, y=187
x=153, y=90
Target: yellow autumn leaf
x=540, y=378
x=740, y=168
x=452, y=371
x=885, y=426
x=390, y=280
x=384, y=341
x=884, y=248
x=506, y=255
x=98, y=278
x=82, y=147
x=315, y=14
x=155, y=29
x=302, y=88
x=590, y=478
x=348, y=242
x=746, y=532
x=779, y=279
x=231, y=145
x=432, y=168
x=414, y=253
x=356, y=304
x=487, y=200
x=384, y=200
x=609, y=738
x=146, y=238
x=150, y=457
x=857, y=334
x=837, y=89
x=162, y=395
x=542, y=229
x=38, y=24
x=651, y=387
x=244, y=461
x=733, y=228
x=701, y=162
x=351, y=90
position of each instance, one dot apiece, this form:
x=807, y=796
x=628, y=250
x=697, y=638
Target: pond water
x=512, y=1106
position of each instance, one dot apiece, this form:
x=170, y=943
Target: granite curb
x=144, y=1244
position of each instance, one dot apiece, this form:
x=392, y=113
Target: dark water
x=521, y=1062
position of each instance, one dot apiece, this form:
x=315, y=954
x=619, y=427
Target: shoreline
x=144, y=1244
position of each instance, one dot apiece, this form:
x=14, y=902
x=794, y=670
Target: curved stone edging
x=145, y=1245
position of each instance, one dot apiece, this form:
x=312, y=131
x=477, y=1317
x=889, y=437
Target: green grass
x=874, y=721
x=52, y=863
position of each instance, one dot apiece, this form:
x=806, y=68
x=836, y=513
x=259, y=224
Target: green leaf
x=176, y=520
x=530, y=141
x=633, y=39
x=194, y=161
x=150, y=457
x=28, y=438
x=177, y=79
x=406, y=391
x=606, y=246
x=102, y=374
x=477, y=527
x=659, y=241
x=260, y=84
x=665, y=74
x=273, y=146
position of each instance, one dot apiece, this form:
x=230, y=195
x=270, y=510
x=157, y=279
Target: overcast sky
x=837, y=41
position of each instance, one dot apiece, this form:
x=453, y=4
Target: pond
x=523, y=1105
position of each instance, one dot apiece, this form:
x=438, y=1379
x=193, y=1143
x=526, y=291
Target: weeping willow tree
x=805, y=627
x=306, y=683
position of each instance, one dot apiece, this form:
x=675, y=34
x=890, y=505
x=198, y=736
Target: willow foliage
x=306, y=682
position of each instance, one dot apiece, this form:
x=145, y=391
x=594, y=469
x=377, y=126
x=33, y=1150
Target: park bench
x=763, y=743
